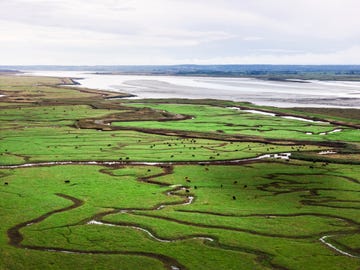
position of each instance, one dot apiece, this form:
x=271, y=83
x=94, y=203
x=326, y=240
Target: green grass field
x=92, y=183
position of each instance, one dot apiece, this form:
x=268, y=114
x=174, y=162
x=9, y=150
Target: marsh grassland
x=88, y=181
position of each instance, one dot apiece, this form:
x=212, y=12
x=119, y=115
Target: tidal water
x=261, y=92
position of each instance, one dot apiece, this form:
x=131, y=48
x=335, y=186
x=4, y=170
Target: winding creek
x=290, y=117
x=16, y=237
x=163, y=240
x=140, y=163
x=323, y=240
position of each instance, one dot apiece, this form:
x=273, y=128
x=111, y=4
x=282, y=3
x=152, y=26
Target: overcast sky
x=116, y=32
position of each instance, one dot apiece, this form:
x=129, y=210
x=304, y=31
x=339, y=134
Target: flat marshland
x=102, y=183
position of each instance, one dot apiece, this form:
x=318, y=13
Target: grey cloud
x=109, y=31
x=68, y=14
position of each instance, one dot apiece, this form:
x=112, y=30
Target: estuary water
x=261, y=92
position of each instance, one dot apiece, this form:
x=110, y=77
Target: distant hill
x=8, y=71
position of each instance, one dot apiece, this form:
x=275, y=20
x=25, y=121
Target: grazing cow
x=195, y=187
x=6, y=183
x=67, y=181
x=187, y=191
x=187, y=180
x=245, y=186
x=235, y=182
x=234, y=198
